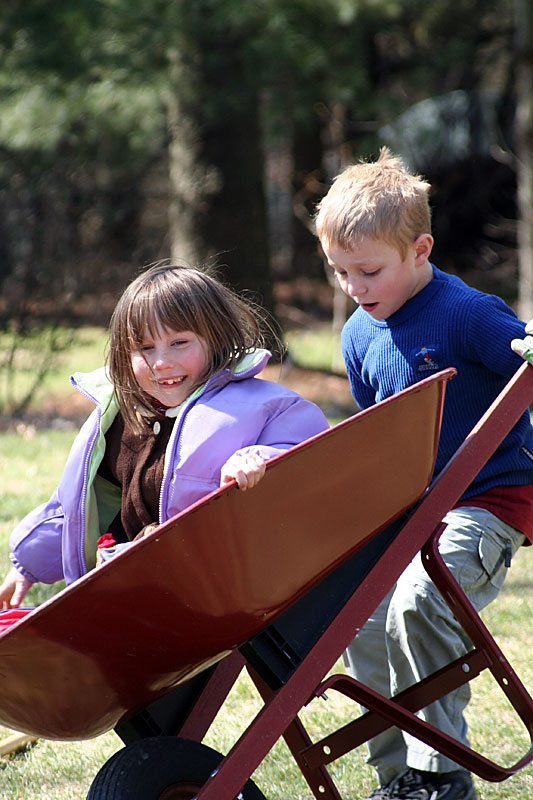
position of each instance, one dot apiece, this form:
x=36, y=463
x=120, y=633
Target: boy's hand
x=13, y=589
x=524, y=347
x=247, y=469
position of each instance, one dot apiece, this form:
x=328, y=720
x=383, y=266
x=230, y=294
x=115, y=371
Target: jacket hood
x=251, y=364
x=95, y=385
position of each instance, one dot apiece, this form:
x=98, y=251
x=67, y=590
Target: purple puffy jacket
x=235, y=411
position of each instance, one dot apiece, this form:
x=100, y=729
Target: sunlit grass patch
x=50, y=770
x=315, y=348
x=494, y=726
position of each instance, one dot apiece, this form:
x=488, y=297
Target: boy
x=375, y=229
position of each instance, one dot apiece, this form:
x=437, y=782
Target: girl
x=179, y=412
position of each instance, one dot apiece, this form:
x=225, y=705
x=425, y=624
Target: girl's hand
x=246, y=468
x=13, y=589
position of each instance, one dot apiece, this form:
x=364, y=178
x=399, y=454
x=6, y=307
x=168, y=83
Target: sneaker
x=379, y=793
x=414, y=784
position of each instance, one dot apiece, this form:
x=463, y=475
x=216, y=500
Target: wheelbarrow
x=278, y=580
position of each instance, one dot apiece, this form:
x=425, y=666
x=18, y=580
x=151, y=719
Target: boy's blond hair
x=379, y=200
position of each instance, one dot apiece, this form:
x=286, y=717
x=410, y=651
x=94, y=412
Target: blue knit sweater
x=447, y=324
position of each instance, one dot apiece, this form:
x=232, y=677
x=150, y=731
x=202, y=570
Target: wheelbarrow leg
x=297, y=740
x=210, y=701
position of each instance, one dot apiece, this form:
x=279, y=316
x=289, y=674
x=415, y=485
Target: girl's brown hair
x=182, y=299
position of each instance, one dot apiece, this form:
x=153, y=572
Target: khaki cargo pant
x=413, y=633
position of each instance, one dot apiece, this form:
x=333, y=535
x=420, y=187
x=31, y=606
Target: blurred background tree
x=207, y=131
x=524, y=151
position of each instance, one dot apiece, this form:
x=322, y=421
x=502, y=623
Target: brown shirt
x=136, y=463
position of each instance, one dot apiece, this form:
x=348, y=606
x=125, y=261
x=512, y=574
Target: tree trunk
x=308, y=182
x=217, y=206
x=336, y=159
x=524, y=146
x=189, y=179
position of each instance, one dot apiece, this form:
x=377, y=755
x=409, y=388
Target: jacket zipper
x=89, y=452
x=174, y=446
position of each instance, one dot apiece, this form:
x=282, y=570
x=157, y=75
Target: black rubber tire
x=160, y=768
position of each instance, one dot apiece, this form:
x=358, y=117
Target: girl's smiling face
x=377, y=276
x=169, y=365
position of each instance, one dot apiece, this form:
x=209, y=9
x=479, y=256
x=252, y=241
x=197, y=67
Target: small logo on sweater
x=527, y=452
x=426, y=358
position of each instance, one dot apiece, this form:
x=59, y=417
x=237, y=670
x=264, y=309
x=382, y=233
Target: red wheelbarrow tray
x=214, y=575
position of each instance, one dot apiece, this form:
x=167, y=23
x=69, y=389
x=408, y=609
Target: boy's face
x=377, y=276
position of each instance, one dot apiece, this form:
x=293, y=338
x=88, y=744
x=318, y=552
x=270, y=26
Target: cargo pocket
x=495, y=556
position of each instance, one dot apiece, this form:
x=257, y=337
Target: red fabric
x=12, y=615
x=106, y=540
x=512, y=504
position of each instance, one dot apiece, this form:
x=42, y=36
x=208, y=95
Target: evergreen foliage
x=130, y=132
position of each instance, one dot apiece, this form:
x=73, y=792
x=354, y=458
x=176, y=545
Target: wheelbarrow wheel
x=160, y=768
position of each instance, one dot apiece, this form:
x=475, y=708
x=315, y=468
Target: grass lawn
x=30, y=464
